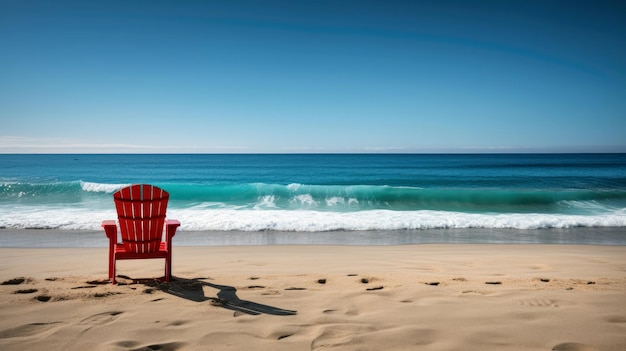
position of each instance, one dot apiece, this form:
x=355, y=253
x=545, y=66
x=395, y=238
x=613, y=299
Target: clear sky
x=312, y=76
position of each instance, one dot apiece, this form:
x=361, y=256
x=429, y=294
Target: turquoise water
x=323, y=192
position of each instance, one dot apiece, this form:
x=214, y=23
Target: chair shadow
x=192, y=289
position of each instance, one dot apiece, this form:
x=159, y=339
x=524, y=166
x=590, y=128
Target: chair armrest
x=171, y=226
x=110, y=228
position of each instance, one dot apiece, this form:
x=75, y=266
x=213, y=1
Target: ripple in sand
x=101, y=318
x=26, y=330
x=126, y=343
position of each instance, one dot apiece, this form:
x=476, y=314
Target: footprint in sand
x=99, y=282
x=271, y=292
x=101, y=318
x=573, y=346
x=27, y=330
x=134, y=346
x=83, y=287
x=616, y=319
x=177, y=323
x=26, y=291
x=16, y=281
x=478, y=292
x=170, y=346
x=539, y=303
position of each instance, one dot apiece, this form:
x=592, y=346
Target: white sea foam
x=309, y=221
x=224, y=219
x=304, y=200
x=101, y=188
x=294, y=186
x=55, y=218
x=267, y=201
x=334, y=201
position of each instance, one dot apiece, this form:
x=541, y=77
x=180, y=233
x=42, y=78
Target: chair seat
x=122, y=254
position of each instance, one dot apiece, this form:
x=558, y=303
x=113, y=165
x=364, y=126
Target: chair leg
x=112, y=269
x=168, y=268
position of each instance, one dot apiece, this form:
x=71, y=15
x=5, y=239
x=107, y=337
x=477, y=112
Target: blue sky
x=312, y=76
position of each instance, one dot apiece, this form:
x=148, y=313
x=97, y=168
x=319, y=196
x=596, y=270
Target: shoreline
x=319, y=297
x=42, y=238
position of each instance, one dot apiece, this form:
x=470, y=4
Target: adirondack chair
x=141, y=215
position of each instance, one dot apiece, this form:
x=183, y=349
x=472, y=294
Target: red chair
x=141, y=215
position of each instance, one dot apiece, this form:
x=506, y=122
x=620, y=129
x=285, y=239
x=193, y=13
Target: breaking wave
x=310, y=208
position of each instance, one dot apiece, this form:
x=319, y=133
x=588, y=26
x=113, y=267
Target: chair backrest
x=141, y=214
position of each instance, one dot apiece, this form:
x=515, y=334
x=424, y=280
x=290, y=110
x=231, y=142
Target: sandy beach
x=319, y=297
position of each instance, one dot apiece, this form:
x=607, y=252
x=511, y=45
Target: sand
x=319, y=297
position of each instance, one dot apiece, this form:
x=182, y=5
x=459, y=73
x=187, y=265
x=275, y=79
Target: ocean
x=350, y=194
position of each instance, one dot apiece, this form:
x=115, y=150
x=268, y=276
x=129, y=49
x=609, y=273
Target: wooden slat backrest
x=141, y=214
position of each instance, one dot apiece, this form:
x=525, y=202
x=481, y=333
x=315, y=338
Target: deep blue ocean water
x=324, y=192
